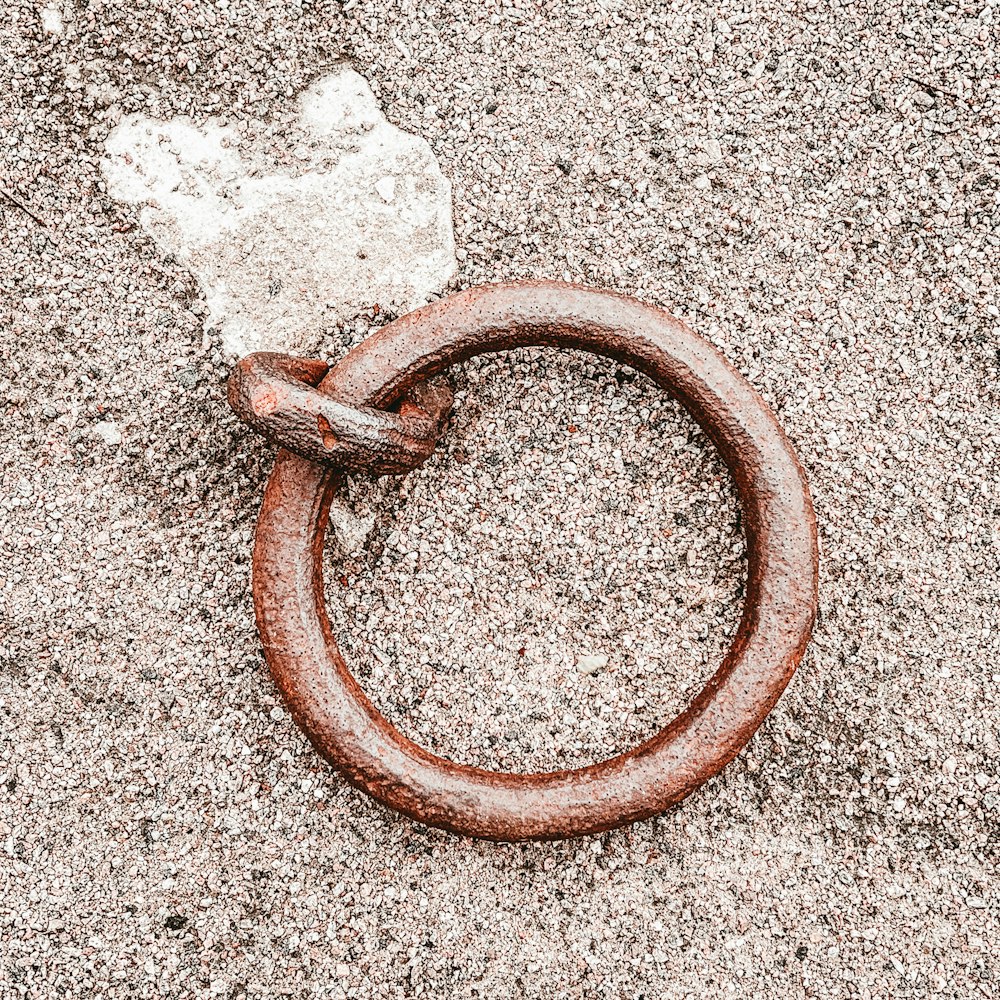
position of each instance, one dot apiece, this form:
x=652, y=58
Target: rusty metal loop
x=782, y=564
x=276, y=395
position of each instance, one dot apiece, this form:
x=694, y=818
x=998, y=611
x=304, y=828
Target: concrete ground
x=814, y=189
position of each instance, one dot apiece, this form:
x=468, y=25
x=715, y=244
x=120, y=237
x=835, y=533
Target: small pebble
x=592, y=663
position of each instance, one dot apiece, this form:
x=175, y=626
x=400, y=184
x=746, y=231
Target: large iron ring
x=343, y=725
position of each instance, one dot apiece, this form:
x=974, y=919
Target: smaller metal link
x=276, y=395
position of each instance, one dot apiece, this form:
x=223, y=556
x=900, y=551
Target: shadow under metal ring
x=342, y=723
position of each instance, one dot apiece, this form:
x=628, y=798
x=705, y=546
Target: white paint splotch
x=360, y=214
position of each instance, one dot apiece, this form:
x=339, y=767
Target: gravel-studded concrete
x=814, y=189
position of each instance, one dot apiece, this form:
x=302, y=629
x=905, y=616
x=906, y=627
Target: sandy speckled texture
x=811, y=187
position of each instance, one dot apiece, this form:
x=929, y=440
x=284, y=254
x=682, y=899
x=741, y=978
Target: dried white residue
x=361, y=215
x=52, y=19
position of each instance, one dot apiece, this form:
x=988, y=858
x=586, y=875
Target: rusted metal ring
x=275, y=394
x=782, y=564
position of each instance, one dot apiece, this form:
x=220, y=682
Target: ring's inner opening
x=556, y=583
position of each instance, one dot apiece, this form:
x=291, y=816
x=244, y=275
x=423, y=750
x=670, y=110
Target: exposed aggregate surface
x=812, y=187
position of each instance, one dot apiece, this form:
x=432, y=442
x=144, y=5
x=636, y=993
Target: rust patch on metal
x=264, y=401
x=327, y=702
x=326, y=432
